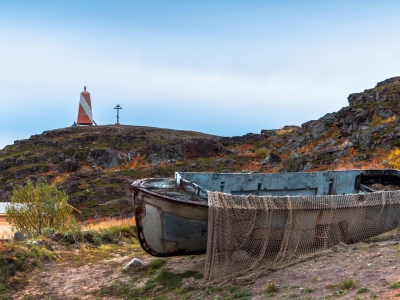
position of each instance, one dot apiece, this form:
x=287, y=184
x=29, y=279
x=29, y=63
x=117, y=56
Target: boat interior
x=291, y=184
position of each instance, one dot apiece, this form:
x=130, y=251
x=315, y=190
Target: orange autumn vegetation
x=137, y=162
x=373, y=164
x=246, y=150
x=59, y=179
x=307, y=147
x=250, y=167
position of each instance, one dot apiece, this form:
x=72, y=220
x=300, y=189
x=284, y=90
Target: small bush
x=271, y=287
x=36, y=207
x=233, y=288
x=262, y=153
x=375, y=120
x=349, y=284
x=395, y=285
x=346, y=284
x=362, y=290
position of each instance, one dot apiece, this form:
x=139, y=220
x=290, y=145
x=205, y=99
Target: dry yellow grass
x=390, y=119
x=5, y=229
x=106, y=223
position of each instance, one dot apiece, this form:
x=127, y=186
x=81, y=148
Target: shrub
x=36, y=207
x=261, y=153
x=362, y=290
x=349, y=284
x=271, y=287
x=375, y=120
x=395, y=285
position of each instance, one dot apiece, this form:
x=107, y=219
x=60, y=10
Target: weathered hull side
x=168, y=227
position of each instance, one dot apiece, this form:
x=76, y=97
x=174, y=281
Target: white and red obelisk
x=85, y=109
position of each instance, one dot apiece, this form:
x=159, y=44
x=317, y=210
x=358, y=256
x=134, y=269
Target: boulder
x=18, y=236
x=134, y=263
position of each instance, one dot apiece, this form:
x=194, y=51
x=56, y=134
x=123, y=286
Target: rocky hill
x=95, y=165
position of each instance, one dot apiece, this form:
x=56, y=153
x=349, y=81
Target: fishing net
x=249, y=235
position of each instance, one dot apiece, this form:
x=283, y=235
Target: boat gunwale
x=136, y=186
x=325, y=204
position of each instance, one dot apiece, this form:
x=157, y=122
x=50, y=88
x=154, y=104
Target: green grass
x=6, y=175
x=346, y=284
x=307, y=291
x=214, y=289
x=18, y=259
x=363, y=290
x=396, y=144
x=233, y=291
x=395, y=285
x=349, y=284
x=154, y=266
x=165, y=279
x=339, y=293
x=243, y=294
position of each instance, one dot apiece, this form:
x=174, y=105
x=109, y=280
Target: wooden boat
x=172, y=213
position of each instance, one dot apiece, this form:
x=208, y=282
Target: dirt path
x=374, y=268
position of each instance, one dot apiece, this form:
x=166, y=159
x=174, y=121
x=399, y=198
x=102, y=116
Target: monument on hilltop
x=85, y=109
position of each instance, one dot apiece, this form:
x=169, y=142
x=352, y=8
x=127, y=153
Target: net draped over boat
x=254, y=234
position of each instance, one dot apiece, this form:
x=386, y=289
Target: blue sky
x=219, y=67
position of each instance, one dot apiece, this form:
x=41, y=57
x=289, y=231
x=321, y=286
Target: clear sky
x=219, y=67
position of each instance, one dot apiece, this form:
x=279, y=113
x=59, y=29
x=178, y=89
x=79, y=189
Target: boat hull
x=168, y=227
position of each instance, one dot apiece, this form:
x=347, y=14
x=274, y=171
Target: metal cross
x=118, y=107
